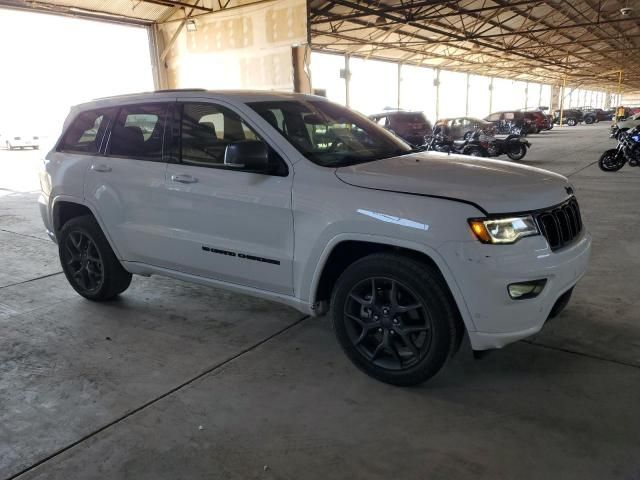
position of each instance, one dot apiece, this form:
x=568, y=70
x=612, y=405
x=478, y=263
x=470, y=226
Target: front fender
x=393, y=242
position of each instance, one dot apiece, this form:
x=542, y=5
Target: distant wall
x=246, y=47
x=631, y=99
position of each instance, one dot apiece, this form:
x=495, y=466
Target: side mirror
x=250, y=155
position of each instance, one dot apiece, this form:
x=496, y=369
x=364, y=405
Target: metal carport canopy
x=589, y=42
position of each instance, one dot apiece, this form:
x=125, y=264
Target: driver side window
x=206, y=130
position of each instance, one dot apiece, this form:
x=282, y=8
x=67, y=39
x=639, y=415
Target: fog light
x=524, y=290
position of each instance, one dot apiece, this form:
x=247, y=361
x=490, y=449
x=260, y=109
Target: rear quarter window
x=84, y=135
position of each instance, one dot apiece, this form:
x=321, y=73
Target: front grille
x=560, y=225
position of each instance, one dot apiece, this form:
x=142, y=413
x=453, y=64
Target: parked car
x=301, y=201
x=412, y=127
x=463, y=127
x=570, y=116
x=21, y=141
x=593, y=115
x=623, y=125
x=537, y=119
x=549, y=121
x=510, y=122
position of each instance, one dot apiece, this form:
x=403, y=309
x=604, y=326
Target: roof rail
x=181, y=90
x=169, y=90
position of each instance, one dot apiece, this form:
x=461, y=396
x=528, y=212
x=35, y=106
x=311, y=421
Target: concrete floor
x=179, y=381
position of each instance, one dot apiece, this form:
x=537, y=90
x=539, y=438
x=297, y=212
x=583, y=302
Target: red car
x=538, y=119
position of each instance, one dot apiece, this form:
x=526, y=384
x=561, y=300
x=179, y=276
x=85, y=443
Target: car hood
x=493, y=185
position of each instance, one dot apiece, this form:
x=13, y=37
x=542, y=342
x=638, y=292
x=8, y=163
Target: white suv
x=295, y=199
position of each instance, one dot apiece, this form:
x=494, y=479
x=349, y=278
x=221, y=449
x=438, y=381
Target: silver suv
x=304, y=202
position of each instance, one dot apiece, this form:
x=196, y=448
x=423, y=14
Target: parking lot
x=182, y=381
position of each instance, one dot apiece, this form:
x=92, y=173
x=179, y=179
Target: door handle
x=101, y=168
x=183, y=179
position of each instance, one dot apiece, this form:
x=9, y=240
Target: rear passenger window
x=84, y=134
x=207, y=129
x=138, y=132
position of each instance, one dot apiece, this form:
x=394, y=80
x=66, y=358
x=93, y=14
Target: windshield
x=329, y=134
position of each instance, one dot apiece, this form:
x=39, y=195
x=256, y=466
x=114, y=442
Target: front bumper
x=483, y=273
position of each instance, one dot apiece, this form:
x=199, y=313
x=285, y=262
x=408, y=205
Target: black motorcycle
x=514, y=146
x=628, y=150
x=440, y=142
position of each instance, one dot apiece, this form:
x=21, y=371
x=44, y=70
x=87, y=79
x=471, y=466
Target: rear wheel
x=395, y=319
x=517, y=152
x=88, y=261
x=611, y=161
x=571, y=122
x=588, y=120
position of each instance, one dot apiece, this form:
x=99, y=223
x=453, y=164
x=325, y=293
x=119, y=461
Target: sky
x=49, y=63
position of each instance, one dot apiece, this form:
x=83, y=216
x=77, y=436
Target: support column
x=158, y=65
x=300, y=58
x=436, y=84
x=490, y=96
x=466, y=98
x=399, y=84
x=347, y=79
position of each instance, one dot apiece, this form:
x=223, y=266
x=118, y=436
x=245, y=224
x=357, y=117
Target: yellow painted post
x=564, y=86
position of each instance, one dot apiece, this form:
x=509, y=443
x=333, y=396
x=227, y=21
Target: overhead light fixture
x=191, y=25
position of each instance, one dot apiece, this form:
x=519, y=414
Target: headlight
x=503, y=230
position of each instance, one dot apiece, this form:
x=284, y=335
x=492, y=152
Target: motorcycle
x=628, y=150
x=439, y=142
x=479, y=144
x=514, y=147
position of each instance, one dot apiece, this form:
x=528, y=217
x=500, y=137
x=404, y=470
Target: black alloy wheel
x=387, y=323
x=395, y=318
x=88, y=261
x=84, y=262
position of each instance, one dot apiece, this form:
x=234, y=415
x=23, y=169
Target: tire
x=88, y=261
x=517, y=153
x=608, y=161
x=588, y=120
x=571, y=122
x=379, y=342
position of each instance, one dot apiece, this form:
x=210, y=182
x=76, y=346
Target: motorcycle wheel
x=610, y=162
x=517, y=152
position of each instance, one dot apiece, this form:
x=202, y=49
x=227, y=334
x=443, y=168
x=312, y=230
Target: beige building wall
x=248, y=47
x=631, y=99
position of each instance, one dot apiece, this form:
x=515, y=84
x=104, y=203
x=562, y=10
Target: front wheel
x=572, y=122
x=517, y=152
x=588, y=120
x=88, y=261
x=611, y=160
x=394, y=318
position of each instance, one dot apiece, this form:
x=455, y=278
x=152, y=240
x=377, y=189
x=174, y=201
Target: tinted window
x=84, y=134
x=494, y=117
x=329, y=134
x=207, y=129
x=138, y=132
